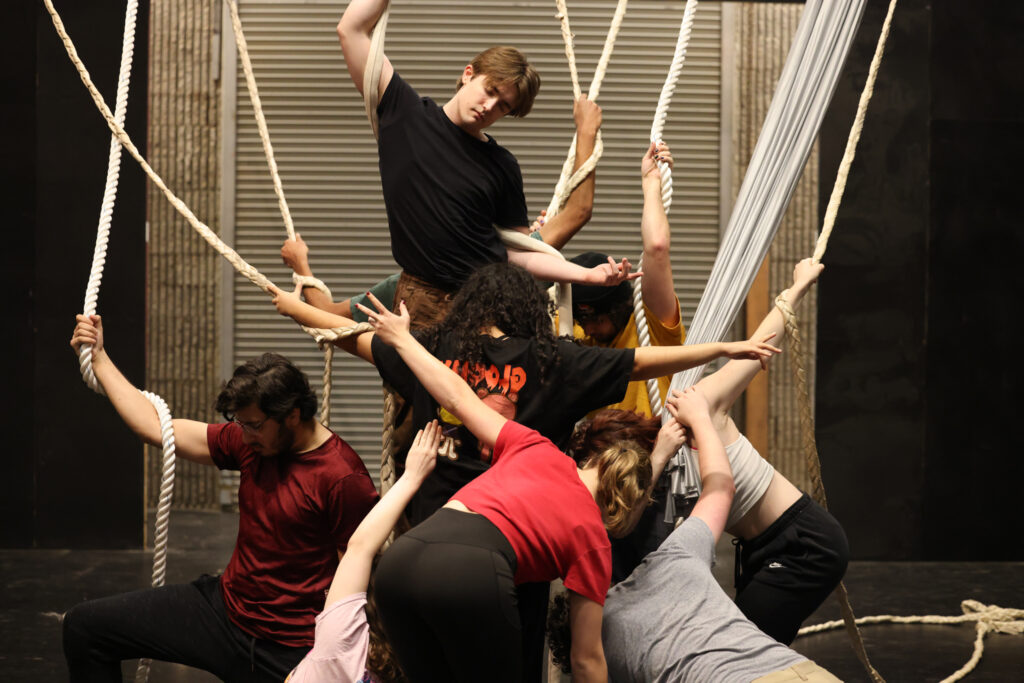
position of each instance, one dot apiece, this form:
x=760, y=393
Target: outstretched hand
x=89, y=330
x=753, y=350
x=612, y=273
x=688, y=406
x=422, y=455
x=387, y=326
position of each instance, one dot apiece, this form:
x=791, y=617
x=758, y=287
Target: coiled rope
x=986, y=618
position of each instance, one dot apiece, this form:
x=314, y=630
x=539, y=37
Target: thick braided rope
x=163, y=508
x=282, y=202
x=813, y=464
x=92, y=296
x=99, y=256
x=657, y=128
x=851, y=143
x=806, y=417
x=569, y=180
x=388, y=444
x=261, y=121
x=248, y=271
x=987, y=619
x=325, y=401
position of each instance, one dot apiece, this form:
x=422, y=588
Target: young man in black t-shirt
x=446, y=183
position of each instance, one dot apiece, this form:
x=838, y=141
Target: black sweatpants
x=446, y=596
x=786, y=572
x=186, y=624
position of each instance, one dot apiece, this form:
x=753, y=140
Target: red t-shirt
x=534, y=495
x=296, y=513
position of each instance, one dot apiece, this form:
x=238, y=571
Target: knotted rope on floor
x=986, y=618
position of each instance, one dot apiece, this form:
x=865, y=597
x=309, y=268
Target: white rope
x=569, y=180
x=986, y=618
x=657, y=129
x=261, y=121
x=99, y=256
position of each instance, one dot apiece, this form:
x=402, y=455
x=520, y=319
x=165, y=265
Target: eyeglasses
x=249, y=427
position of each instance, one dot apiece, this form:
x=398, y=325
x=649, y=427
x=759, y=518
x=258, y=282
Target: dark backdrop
x=917, y=370
x=71, y=473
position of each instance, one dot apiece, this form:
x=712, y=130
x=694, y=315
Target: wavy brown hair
x=618, y=443
x=504, y=65
x=380, y=658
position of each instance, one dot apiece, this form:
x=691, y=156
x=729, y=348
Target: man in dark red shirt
x=303, y=492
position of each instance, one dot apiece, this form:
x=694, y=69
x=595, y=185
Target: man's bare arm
x=354, y=31
x=134, y=408
x=578, y=209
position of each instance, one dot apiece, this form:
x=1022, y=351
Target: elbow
x=656, y=248
x=588, y=666
x=582, y=214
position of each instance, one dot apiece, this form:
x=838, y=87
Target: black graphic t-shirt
x=585, y=379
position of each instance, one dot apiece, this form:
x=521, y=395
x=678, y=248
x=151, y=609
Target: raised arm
x=690, y=407
x=580, y=206
x=447, y=388
x=550, y=267
x=659, y=361
x=723, y=387
x=135, y=410
x=657, y=288
x=353, y=573
x=291, y=304
x=354, y=31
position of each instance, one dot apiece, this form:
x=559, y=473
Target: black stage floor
x=38, y=585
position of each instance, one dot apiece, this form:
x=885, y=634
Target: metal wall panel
x=328, y=161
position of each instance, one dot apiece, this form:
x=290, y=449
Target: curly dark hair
x=273, y=383
x=504, y=296
x=559, y=632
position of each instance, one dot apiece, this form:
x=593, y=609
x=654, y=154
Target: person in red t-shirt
x=446, y=589
x=303, y=492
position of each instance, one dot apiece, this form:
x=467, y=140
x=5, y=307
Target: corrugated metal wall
x=762, y=36
x=183, y=272
x=328, y=159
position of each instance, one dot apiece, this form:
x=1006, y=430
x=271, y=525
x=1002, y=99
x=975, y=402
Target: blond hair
x=504, y=65
x=624, y=476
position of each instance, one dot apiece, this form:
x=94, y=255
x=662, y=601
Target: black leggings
x=447, y=601
x=786, y=572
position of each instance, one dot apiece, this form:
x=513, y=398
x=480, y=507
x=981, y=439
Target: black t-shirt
x=444, y=189
x=509, y=381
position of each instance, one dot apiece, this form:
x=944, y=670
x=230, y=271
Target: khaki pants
x=804, y=671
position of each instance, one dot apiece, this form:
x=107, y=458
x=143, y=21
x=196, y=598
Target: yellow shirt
x=636, y=398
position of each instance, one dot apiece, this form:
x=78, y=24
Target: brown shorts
x=798, y=673
x=427, y=303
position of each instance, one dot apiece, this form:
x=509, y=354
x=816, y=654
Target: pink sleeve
x=340, y=647
x=590, y=574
